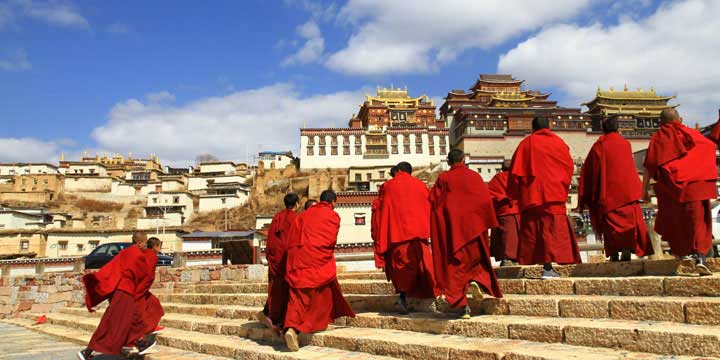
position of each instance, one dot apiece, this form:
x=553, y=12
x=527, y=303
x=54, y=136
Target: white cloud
x=27, y=150
x=54, y=13
x=313, y=48
x=16, y=61
x=392, y=36
x=160, y=97
x=229, y=127
x=118, y=28
x=675, y=50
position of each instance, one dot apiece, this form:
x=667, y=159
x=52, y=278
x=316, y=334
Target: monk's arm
x=646, y=185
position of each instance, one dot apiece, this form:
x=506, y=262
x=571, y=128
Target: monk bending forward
x=315, y=295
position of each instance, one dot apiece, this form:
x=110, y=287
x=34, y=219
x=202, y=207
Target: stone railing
x=49, y=292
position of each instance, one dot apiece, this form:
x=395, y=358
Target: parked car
x=105, y=252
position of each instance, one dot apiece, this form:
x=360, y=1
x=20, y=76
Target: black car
x=105, y=252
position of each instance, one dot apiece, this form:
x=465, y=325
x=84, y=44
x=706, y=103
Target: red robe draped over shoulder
x=315, y=295
x=611, y=188
x=117, y=282
x=504, y=239
x=403, y=234
x=462, y=213
x=121, y=273
x=275, y=252
x=540, y=176
x=682, y=161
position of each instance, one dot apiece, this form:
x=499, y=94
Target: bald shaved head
x=669, y=115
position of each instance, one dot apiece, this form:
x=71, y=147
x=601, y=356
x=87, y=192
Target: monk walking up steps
x=504, y=239
x=273, y=315
x=118, y=282
x=682, y=162
x=315, y=295
x=462, y=214
x=540, y=177
x=611, y=189
x=404, y=230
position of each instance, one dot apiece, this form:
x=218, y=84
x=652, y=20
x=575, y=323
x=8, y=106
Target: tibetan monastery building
x=389, y=128
x=490, y=120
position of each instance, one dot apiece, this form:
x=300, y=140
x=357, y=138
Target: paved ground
x=17, y=343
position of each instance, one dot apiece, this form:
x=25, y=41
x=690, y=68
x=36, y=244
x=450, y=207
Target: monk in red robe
x=611, y=189
x=147, y=305
x=403, y=236
x=273, y=315
x=682, y=162
x=540, y=176
x=116, y=282
x=462, y=214
x=504, y=239
x=315, y=295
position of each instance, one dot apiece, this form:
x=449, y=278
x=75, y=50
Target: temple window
x=346, y=150
x=443, y=150
x=358, y=149
x=311, y=140
x=322, y=151
x=310, y=150
x=418, y=148
x=395, y=149
x=431, y=148
x=334, y=150
x=406, y=149
x=322, y=140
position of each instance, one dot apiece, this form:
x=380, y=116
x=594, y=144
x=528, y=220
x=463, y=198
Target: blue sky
x=182, y=78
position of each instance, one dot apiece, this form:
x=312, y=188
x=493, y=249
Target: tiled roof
x=356, y=197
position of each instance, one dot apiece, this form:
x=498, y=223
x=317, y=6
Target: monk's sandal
x=291, y=340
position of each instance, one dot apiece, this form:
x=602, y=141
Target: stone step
x=604, y=269
x=214, y=344
x=383, y=342
x=619, y=286
x=691, y=310
x=81, y=338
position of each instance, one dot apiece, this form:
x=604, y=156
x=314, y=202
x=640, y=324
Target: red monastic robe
x=504, y=239
x=462, y=213
x=403, y=236
x=375, y=228
x=275, y=252
x=610, y=187
x=147, y=305
x=682, y=162
x=540, y=176
x=315, y=295
x=117, y=282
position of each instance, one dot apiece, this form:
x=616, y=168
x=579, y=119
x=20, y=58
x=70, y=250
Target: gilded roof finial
x=697, y=125
x=626, y=89
x=392, y=86
x=62, y=156
x=612, y=88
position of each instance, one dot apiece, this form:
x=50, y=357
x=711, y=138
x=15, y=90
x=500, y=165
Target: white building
x=275, y=159
x=84, y=169
x=11, y=219
x=224, y=196
x=218, y=168
x=166, y=209
x=345, y=147
x=27, y=169
x=355, y=210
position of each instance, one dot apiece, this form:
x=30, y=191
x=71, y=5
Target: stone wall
x=50, y=292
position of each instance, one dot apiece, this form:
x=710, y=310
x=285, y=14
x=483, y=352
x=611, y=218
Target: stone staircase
x=638, y=310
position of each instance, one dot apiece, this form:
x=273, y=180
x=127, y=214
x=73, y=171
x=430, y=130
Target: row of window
x=395, y=139
x=358, y=150
x=62, y=245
